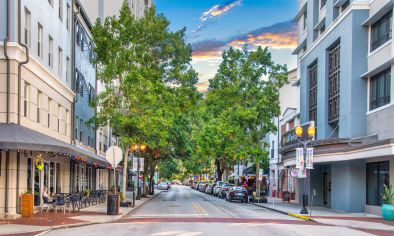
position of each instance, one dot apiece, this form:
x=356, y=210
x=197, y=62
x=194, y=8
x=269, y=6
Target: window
x=60, y=62
x=345, y=5
x=67, y=69
x=27, y=27
x=313, y=92
x=381, y=31
x=59, y=117
x=60, y=10
x=76, y=125
x=25, y=99
x=380, y=89
x=49, y=112
x=322, y=3
x=333, y=83
x=68, y=23
x=50, y=2
x=50, y=52
x=377, y=176
x=305, y=19
x=66, y=122
x=29, y=182
x=39, y=40
x=80, y=130
x=38, y=107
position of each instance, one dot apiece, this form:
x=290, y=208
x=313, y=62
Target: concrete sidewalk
x=43, y=222
x=330, y=216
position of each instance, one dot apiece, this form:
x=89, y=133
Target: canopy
x=16, y=137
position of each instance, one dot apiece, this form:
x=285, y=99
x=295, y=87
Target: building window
x=60, y=62
x=50, y=2
x=59, y=117
x=27, y=27
x=50, y=52
x=38, y=107
x=380, y=86
x=345, y=5
x=377, y=176
x=313, y=92
x=381, y=31
x=25, y=99
x=322, y=3
x=305, y=19
x=60, y=10
x=80, y=130
x=67, y=69
x=49, y=112
x=333, y=83
x=76, y=125
x=39, y=40
x=66, y=122
x=68, y=23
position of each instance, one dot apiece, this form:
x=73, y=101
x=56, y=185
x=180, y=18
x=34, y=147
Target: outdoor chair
x=61, y=203
x=47, y=204
x=75, y=200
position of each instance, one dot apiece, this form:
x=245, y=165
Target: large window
x=377, y=176
x=25, y=99
x=333, y=83
x=50, y=51
x=60, y=9
x=381, y=31
x=39, y=40
x=27, y=27
x=380, y=89
x=60, y=62
x=68, y=22
x=322, y=3
x=313, y=92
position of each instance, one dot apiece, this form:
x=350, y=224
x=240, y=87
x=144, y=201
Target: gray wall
x=381, y=122
x=348, y=186
x=353, y=97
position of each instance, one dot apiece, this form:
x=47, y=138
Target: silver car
x=217, y=188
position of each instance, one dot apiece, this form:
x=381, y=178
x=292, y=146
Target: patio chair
x=47, y=204
x=75, y=201
x=61, y=203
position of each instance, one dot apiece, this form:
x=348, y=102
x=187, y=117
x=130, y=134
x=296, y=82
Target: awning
x=16, y=137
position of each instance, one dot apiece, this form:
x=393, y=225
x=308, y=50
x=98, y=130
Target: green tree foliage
x=149, y=83
x=237, y=113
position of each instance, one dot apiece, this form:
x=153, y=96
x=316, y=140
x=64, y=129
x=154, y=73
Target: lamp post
x=302, y=163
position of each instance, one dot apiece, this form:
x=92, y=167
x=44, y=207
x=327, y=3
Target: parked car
x=237, y=193
x=217, y=188
x=194, y=185
x=199, y=185
x=223, y=190
x=203, y=186
x=163, y=186
x=209, y=189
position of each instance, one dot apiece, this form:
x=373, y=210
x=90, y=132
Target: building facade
x=344, y=58
x=37, y=103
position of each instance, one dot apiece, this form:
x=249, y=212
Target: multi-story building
x=344, y=59
x=279, y=176
x=36, y=102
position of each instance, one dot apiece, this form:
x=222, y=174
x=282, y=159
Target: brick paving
x=365, y=219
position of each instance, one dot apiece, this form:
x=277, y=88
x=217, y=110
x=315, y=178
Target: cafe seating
x=47, y=204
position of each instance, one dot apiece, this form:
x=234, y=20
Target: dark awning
x=16, y=137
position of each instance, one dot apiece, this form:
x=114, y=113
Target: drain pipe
x=21, y=63
x=7, y=38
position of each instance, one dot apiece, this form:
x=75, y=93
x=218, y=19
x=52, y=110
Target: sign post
x=114, y=156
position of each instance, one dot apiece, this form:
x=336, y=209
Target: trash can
x=113, y=202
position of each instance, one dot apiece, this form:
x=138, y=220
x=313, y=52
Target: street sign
x=309, y=158
x=135, y=164
x=114, y=155
x=299, y=158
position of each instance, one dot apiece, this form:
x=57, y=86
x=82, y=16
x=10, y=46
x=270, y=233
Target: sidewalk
x=41, y=222
x=330, y=216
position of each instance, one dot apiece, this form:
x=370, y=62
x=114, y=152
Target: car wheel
x=229, y=200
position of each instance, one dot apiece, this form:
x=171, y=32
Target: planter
x=388, y=211
x=27, y=205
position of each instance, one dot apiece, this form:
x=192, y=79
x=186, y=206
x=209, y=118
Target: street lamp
x=304, y=163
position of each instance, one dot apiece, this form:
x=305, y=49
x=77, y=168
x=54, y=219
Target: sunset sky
x=213, y=25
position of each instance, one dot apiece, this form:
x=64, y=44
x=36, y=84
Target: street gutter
x=298, y=216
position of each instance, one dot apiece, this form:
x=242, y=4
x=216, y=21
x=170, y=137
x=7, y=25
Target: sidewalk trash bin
x=113, y=202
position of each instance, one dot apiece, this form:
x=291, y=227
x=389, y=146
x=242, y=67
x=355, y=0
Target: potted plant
x=388, y=207
x=27, y=203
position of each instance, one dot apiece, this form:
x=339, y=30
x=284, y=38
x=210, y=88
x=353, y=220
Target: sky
x=214, y=25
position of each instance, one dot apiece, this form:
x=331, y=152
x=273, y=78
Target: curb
x=298, y=216
x=135, y=208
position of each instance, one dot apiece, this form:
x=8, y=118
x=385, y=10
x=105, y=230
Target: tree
x=242, y=99
x=148, y=81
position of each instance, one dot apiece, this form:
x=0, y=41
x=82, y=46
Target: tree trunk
x=258, y=177
x=125, y=173
x=219, y=170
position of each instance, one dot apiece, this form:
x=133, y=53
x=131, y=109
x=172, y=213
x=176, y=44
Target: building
x=345, y=59
x=100, y=9
x=36, y=102
x=279, y=175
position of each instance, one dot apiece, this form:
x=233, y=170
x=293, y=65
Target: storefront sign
x=290, y=137
x=309, y=158
x=294, y=173
x=299, y=158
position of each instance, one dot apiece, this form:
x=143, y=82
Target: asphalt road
x=182, y=211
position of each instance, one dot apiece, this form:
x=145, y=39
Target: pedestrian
x=245, y=185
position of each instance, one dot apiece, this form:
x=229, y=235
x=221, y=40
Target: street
x=183, y=211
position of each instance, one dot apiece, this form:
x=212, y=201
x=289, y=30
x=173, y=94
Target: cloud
x=282, y=35
x=219, y=10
